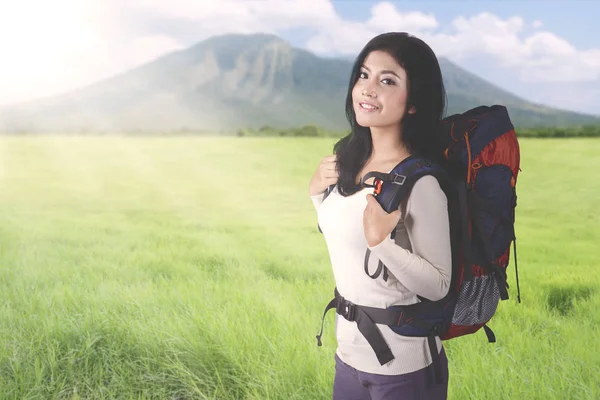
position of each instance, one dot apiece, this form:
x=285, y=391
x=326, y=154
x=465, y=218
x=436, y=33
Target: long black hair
x=425, y=92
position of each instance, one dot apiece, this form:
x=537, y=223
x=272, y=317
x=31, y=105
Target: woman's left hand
x=377, y=223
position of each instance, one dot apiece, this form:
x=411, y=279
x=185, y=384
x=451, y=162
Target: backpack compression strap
x=490, y=265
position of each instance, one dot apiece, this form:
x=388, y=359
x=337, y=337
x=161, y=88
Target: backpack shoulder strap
x=327, y=192
x=395, y=186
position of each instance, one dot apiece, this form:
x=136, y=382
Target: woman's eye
x=389, y=81
x=363, y=75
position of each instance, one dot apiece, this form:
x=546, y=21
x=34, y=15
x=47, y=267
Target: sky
x=544, y=51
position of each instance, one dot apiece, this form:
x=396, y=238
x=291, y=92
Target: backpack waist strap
x=398, y=317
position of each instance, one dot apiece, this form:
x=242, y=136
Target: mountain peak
x=244, y=80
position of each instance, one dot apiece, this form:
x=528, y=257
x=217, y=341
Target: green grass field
x=192, y=268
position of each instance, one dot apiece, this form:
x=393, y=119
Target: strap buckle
x=346, y=309
x=399, y=179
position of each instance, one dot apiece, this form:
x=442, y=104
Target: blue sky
x=544, y=51
x=576, y=21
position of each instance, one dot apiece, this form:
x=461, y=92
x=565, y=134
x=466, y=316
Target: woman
x=395, y=102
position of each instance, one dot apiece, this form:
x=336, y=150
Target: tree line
x=302, y=131
x=316, y=131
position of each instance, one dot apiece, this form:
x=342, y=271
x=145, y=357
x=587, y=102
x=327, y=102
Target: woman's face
x=380, y=93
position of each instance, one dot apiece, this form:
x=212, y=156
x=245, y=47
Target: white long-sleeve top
x=419, y=263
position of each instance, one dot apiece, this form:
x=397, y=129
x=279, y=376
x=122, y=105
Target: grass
x=192, y=268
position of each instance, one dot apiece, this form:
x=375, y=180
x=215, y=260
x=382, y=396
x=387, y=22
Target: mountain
x=466, y=90
x=235, y=81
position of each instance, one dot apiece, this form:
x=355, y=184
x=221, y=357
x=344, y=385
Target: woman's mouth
x=367, y=106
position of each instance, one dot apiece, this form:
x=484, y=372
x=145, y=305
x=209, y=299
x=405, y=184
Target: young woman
x=395, y=101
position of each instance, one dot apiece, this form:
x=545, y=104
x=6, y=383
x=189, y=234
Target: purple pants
x=351, y=384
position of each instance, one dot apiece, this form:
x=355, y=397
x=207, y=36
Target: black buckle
x=346, y=309
x=399, y=179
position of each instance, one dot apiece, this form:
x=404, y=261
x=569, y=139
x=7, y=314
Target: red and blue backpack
x=478, y=175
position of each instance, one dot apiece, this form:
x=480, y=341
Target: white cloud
x=385, y=17
x=341, y=37
x=539, y=57
x=547, y=44
x=235, y=11
x=242, y=16
x=46, y=42
x=483, y=33
x=537, y=23
x=52, y=47
x=148, y=46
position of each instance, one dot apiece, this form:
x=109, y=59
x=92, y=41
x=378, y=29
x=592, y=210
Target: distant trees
x=316, y=131
x=304, y=131
x=309, y=130
x=581, y=131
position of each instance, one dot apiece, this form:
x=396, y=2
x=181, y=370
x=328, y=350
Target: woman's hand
x=377, y=223
x=325, y=175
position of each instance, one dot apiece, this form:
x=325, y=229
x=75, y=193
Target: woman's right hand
x=325, y=175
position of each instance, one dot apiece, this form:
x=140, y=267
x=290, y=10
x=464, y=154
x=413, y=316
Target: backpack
x=478, y=173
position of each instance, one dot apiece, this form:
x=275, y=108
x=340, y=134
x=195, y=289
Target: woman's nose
x=368, y=91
